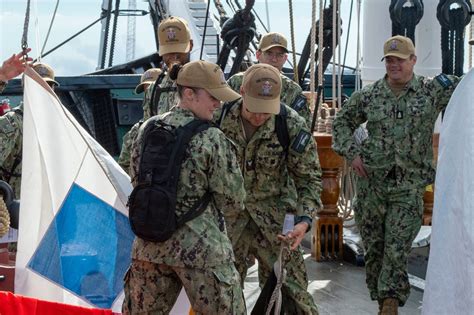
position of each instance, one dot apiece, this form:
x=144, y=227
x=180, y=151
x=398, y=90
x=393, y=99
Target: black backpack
x=152, y=203
x=281, y=126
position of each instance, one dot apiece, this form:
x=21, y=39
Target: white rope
x=280, y=273
x=268, y=15
x=321, y=42
x=312, y=75
x=358, y=54
x=339, y=55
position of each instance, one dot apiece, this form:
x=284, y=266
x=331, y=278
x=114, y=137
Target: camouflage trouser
x=296, y=299
x=153, y=289
x=389, y=218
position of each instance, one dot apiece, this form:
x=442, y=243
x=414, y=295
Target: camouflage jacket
x=168, y=98
x=11, y=139
x=131, y=135
x=291, y=94
x=399, y=128
x=210, y=165
x=277, y=182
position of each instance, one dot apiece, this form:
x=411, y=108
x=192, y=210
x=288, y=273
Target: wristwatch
x=304, y=218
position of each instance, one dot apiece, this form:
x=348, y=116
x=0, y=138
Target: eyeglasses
x=272, y=55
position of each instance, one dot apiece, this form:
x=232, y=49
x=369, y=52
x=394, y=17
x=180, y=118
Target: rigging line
x=312, y=60
x=347, y=39
x=205, y=29
x=357, y=85
x=268, y=15
x=339, y=48
x=293, y=46
x=114, y=33
x=24, y=38
x=37, y=33
x=106, y=35
x=50, y=27
x=74, y=36
x=334, y=32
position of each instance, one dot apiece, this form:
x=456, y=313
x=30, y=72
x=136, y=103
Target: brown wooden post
x=327, y=232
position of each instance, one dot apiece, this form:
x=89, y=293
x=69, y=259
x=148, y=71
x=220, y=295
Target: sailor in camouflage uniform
x=148, y=77
x=175, y=47
x=11, y=136
x=199, y=254
x=272, y=50
x=277, y=182
x=175, y=41
x=394, y=164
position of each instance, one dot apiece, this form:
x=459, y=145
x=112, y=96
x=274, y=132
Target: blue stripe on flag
x=86, y=249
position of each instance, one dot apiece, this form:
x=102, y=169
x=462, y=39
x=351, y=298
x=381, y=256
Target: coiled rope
x=4, y=218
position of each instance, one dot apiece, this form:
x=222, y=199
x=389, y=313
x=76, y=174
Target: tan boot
x=380, y=307
x=390, y=307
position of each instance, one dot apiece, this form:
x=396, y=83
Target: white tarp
x=450, y=275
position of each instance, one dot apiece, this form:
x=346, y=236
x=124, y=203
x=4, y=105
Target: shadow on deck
x=338, y=288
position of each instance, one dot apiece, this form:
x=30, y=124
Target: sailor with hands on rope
x=278, y=180
x=198, y=255
x=394, y=164
x=273, y=50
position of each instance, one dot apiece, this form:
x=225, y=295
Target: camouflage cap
x=148, y=77
x=46, y=72
x=398, y=46
x=262, y=87
x=271, y=40
x=207, y=76
x=174, y=36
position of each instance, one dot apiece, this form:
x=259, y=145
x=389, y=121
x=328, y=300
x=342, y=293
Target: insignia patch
x=266, y=88
x=444, y=80
x=301, y=141
x=275, y=39
x=171, y=33
x=393, y=45
x=299, y=103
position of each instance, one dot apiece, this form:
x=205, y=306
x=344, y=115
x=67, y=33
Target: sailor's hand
x=14, y=66
x=358, y=167
x=295, y=237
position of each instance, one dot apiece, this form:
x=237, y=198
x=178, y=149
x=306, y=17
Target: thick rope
x=320, y=42
x=312, y=99
x=280, y=273
x=293, y=45
x=24, y=38
x=4, y=218
x=334, y=41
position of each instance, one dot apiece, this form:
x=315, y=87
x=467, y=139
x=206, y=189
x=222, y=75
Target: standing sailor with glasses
x=273, y=50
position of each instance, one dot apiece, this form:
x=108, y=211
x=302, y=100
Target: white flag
x=450, y=275
x=74, y=239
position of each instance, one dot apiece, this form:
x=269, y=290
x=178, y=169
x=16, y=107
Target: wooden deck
x=338, y=288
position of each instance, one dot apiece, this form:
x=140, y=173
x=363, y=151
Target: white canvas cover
x=450, y=275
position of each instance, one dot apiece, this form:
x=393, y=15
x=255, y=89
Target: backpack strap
x=281, y=128
x=188, y=132
x=156, y=93
x=225, y=109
